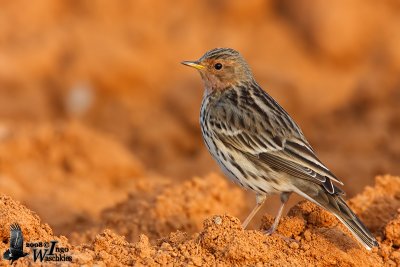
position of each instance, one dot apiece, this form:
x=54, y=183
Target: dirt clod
x=222, y=240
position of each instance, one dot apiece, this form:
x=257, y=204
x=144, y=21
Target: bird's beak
x=193, y=64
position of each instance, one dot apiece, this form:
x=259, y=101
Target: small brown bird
x=258, y=145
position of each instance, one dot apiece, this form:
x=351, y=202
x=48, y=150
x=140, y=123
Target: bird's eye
x=218, y=66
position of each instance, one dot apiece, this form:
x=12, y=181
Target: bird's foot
x=270, y=231
x=285, y=238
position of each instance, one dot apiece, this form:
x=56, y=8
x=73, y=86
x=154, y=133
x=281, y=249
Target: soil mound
x=308, y=235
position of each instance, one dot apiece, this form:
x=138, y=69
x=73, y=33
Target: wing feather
x=285, y=150
x=16, y=238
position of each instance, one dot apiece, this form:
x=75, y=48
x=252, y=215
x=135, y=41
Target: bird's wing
x=16, y=238
x=284, y=149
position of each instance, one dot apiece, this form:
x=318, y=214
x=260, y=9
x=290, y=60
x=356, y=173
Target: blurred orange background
x=92, y=93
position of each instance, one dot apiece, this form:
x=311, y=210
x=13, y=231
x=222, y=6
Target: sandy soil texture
x=308, y=235
x=100, y=147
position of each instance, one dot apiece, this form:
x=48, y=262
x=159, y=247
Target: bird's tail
x=336, y=204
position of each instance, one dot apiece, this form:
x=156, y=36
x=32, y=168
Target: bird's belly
x=240, y=170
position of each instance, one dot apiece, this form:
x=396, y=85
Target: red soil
x=99, y=127
x=307, y=236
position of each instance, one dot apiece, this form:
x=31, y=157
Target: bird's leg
x=260, y=199
x=284, y=198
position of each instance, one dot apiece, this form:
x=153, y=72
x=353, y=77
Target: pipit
x=258, y=145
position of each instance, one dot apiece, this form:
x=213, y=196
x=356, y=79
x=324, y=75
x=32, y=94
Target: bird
x=16, y=249
x=259, y=146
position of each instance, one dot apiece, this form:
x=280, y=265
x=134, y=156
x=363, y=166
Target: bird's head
x=221, y=68
x=7, y=254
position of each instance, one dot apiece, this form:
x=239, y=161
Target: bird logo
x=16, y=249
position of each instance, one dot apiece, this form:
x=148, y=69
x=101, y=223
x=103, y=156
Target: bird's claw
x=269, y=231
x=285, y=238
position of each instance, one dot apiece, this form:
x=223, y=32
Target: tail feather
x=336, y=204
x=353, y=223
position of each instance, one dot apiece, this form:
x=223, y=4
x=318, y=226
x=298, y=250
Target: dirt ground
x=167, y=226
x=100, y=147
